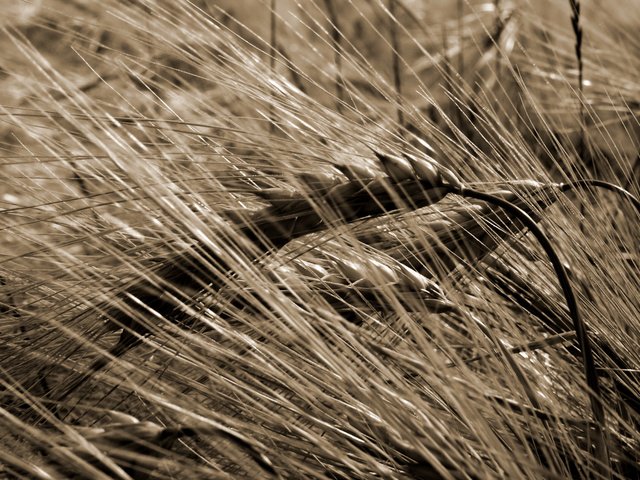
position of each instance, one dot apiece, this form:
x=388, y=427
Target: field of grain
x=321, y=239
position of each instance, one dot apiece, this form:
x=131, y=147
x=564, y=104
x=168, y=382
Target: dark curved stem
x=593, y=183
x=578, y=324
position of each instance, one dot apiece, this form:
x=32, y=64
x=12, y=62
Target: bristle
x=320, y=239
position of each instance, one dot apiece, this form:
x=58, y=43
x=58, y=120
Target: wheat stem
x=273, y=39
x=593, y=183
x=336, y=43
x=579, y=326
x=577, y=30
x=395, y=62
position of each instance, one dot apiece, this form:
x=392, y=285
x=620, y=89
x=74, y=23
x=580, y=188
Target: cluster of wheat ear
x=391, y=239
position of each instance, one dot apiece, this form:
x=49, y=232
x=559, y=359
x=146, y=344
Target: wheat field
x=324, y=239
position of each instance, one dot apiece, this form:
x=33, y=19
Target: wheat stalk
x=184, y=172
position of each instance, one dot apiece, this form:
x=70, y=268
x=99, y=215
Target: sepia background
x=151, y=153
